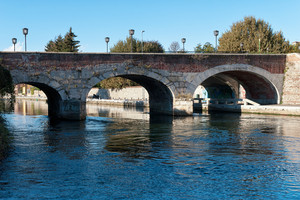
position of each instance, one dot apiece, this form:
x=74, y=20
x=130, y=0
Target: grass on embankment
x=4, y=139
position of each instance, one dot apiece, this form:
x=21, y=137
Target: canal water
x=123, y=153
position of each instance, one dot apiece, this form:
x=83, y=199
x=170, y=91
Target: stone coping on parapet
x=137, y=53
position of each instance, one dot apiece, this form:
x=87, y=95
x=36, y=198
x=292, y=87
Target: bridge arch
x=161, y=96
x=53, y=98
x=259, y=84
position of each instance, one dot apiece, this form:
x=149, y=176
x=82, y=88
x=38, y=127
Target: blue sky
x=163, y=20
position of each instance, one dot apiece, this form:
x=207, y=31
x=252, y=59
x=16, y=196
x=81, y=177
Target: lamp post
x=259, y=45
x=131, y=32
x=142, y=42
x=14, y=41
x=216, y=33
x=242, y=45
x=107, y=41
x=183, y=40
x=25, y=32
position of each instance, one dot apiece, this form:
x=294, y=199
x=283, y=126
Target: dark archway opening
x=159, y=95
x=238, y=85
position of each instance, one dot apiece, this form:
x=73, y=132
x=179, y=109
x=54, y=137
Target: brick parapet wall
x=41, y=61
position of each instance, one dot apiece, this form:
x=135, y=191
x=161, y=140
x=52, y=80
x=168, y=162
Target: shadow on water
x=139, y=138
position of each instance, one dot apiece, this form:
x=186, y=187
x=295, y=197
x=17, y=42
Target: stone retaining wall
x=135, y=93
x=291, y=85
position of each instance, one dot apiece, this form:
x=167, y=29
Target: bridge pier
x=183, y=107
x=72, y=110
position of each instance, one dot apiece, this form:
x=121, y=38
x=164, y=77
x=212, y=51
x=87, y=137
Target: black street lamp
x=107, y=41
x=14, y=41
x=131, y=32
x=142, y=42
x=183, y=40
x=216, y=33
x=25, y=32
x=242, y=45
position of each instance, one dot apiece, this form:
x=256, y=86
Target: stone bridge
x=170, y=79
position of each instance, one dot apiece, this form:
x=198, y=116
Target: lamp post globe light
x=131, y=33
x=107, y=41
x=142, y=41
x=183, y=40
x=216, y=33
x=241, y=45
x=14, y=41
x=25, y=32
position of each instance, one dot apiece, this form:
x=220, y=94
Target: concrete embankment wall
x=136, y=93
x=291, y=85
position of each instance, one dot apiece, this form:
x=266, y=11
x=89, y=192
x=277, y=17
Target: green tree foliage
x=207, y=48
x=6, y=87
x=116, y=83
x=255, y=35
x=148, y=46
x=4, y=139
x=295, y=48
x=64, y=44
x=6, y=84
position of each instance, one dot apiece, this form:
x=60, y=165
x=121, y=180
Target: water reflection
x=142, y=156
x=30, y=107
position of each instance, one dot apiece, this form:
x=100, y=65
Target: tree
x=6, y=87
x=6, y=83
x=148, y=46
x=207, y=48
x=66, y=44
x=116, y=83
x=256, y=36
x=295, y=48
x=174, y=47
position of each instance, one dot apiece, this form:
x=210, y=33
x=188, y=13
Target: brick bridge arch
x=161, y=95
x=260, y=85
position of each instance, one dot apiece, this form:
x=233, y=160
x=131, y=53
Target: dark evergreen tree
x=70, y=44
x=66, y=44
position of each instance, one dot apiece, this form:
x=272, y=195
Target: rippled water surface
x=127, y=154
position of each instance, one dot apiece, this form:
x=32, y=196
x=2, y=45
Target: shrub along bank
x=4, y=139
x=6, y=87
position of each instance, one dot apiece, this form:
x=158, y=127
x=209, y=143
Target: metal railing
x=207, y=101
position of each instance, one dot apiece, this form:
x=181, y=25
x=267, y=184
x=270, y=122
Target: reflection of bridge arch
x=53, y=97
x=258, y=83
x=160, y=94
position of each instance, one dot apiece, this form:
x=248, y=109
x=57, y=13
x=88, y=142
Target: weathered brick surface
x=172, y=62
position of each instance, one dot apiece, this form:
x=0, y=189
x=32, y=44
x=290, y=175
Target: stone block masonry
x=291, y=85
